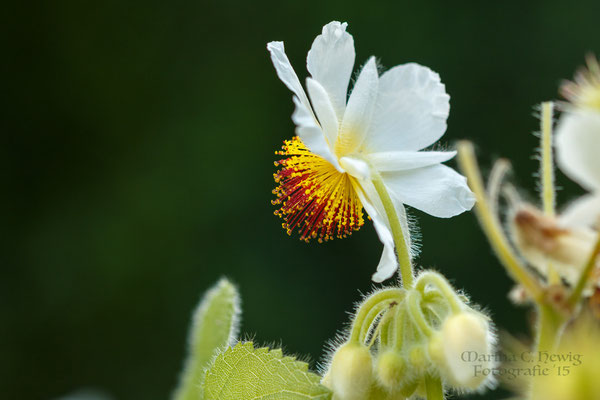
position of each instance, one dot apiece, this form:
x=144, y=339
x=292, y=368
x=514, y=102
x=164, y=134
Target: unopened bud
x=541, y=240
x=418, y=359
x=391, y=370
x=351, y=372
x=463, y=350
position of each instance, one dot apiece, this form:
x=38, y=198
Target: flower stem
x=547, y=163
x=434, y=388
x=437, y=280
x=399, y=324
x=369, y=310
x=413, y=301
x=402, y=251
x=549, y=327
x=547, y=174
x=491, y=226
x=585, y=275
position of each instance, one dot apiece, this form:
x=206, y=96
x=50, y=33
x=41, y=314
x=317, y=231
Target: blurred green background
x=137, y=165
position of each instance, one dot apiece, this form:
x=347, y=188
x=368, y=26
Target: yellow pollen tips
x=314, y=198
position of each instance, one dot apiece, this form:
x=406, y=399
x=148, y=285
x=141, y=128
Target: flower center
x=314, y=197
x=585, y=90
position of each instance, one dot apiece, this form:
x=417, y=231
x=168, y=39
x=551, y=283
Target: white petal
x=584, y=211
x=404, y=160
x=286, y=72
x=311, y=134
x=437, y=190
x=324, y=110
x=357, y=117
x=356, y=167
x=411, y=111
x=388, y=263
x=578, y=147
x=330, y=62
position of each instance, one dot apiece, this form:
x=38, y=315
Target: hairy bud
x=462, y=349
x=391, y=370
x=351, y=372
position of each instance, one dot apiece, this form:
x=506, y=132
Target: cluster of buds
x=401, y=337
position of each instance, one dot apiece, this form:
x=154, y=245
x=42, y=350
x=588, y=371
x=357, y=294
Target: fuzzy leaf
x=214, y=326
x=245, y=373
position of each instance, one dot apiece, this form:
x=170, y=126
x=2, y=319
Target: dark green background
x=137, y=160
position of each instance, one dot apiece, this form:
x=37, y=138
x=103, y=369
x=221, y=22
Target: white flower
x=578, y=156
x=578, y=144
x=345, y=142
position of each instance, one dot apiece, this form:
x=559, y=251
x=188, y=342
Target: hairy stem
x=369, y=310
x=402, y=251
x=413, y=301
x=547, y=174
x=547, y=162
x=438, y=281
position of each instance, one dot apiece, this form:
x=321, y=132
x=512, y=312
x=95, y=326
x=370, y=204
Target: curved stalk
x=491, y=226
x=437, y=280
x=413, y=301
x=369, y=310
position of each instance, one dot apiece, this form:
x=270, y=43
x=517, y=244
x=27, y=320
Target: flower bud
x=541, y=239
x=463, y=350
x=351, y=372
x=418, y=359
x=391, y=370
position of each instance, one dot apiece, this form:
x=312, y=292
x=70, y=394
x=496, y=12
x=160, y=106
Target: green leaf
x=215, y=326
x=246, y=373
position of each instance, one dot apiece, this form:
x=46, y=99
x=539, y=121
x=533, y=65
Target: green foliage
x=246, y=373
x=214, y=326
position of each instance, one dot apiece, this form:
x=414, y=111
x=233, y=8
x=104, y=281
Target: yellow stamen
x=314, y=197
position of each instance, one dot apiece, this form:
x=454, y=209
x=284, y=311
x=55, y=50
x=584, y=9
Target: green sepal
x=245, y=373
x=215, y=324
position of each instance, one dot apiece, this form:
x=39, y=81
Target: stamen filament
x=314, y=198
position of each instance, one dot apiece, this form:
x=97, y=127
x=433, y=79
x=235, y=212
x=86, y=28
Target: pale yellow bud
x=391, y=370
x=351, y=372
x=463, y=350
x=418, y=359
